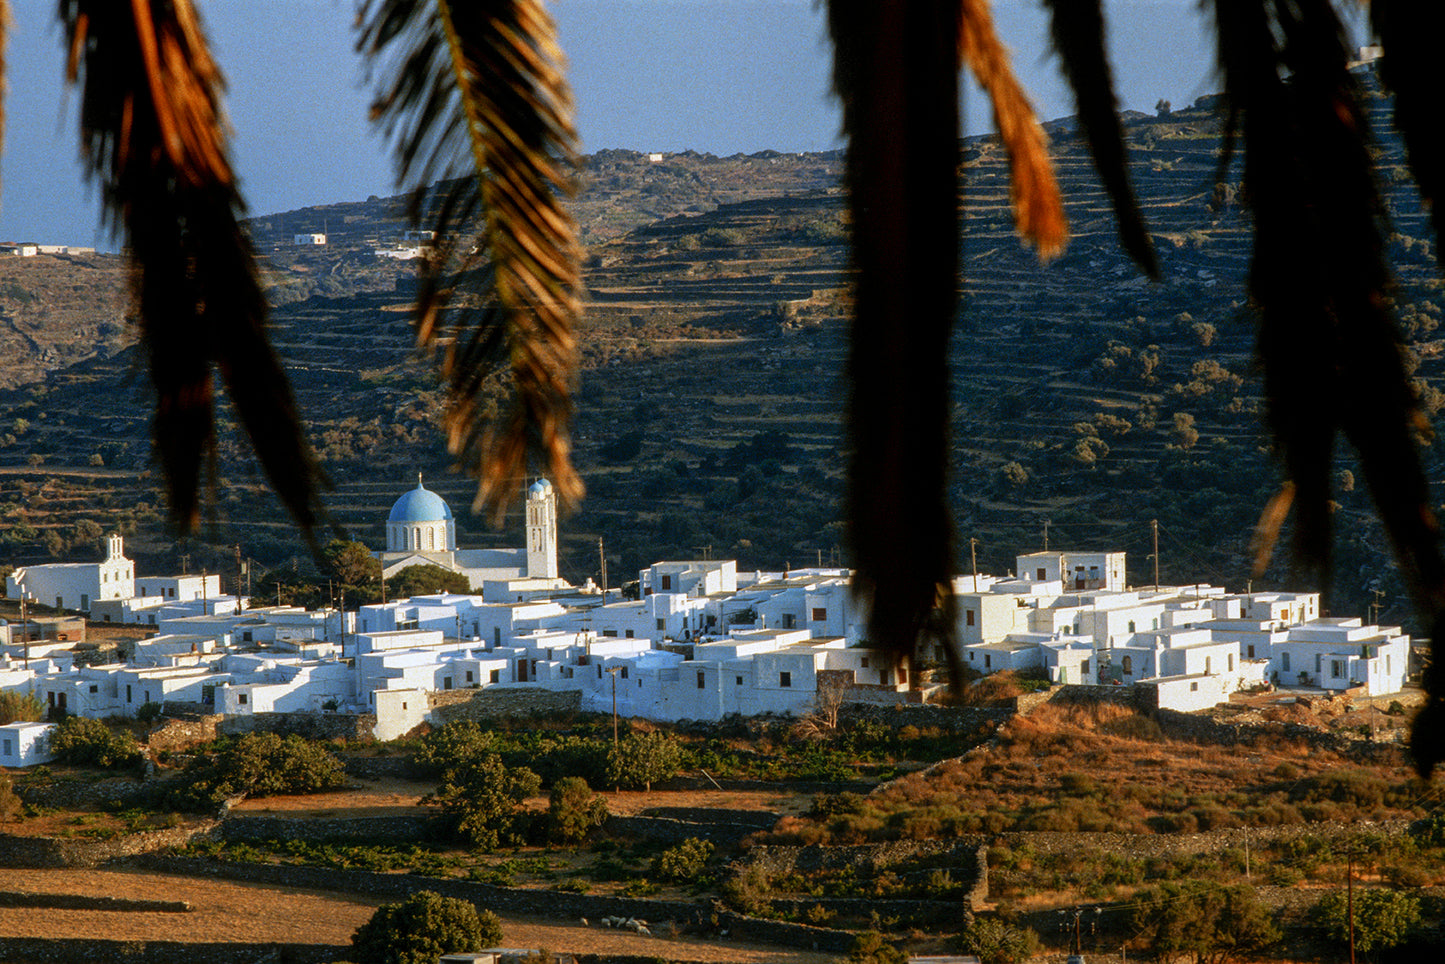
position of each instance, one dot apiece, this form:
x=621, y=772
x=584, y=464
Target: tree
x=832, y=694
x=82, y=741
x=484, y=799
x=257, y=764
x=352, y=564
x=18, y=707
x=422, y=928
x=1383, y=918
x=1204, y=923
x=573, y=810
x=427, y=579
x=642, y=760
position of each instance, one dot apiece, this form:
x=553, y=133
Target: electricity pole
x=1154, y=524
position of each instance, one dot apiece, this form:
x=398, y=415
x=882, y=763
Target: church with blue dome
x=421, y=530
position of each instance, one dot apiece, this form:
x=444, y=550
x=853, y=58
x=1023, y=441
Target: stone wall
x=34, y=950
x=359, y=830
x=499, y=701
x=179, y=734
x=355, y=727
x=110, y=793
x=57, y=852
x=965, y=860
x=86, y=902
x=952, y=719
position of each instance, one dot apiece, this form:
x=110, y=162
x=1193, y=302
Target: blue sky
x=718, y=76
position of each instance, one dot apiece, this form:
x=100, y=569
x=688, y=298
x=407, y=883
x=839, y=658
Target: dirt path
x=232, y=911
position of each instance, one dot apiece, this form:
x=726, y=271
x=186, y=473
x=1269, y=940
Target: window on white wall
x=785, y=679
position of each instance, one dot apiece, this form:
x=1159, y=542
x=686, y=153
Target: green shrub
x=993, y=940
x=256, y=764
x=422, y=928
x=573, y=810
x=484, y=798
x=81, y=741
x=148, y=712
x=640, y=761
x=684, y=862
x=1383, y=918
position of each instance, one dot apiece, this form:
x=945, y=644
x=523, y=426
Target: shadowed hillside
x=1086, y=397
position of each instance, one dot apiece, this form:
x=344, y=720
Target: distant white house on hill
x=303, y=239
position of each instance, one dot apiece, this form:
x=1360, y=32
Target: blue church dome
x=540, y=488
x=420, y=505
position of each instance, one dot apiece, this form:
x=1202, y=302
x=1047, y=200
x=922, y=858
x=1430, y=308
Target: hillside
x=1087, y=399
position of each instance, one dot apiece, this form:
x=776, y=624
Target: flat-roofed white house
x=25, y=744
x=1342, y=653
x=1076, y=570
x=76, y=585
x=1015, y=652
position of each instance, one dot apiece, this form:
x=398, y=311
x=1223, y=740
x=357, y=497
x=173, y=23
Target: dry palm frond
x=1329, y=348
x=477, y=96
x=896, y=74
x=1409, y=33
x=1038, y=207
x=153, y=138
x=1077, y=28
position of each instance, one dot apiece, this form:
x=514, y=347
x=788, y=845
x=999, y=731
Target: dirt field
x=232, y=911
x=396, y=797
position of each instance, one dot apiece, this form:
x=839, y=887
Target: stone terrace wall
x=493, y=702
x=952, y=719
x=313, y=726
x=359, y=830
x=182, y=733
x=28, y=950
x=966, y=861
x=551, y=904
x=53, y=852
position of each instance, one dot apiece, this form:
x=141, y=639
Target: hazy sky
x=718, y=76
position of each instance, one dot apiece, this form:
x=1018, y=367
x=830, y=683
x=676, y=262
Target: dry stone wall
x=486, y=704
x=34, y=950
x=352, y=727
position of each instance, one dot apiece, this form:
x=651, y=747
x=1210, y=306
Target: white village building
x=76, y=585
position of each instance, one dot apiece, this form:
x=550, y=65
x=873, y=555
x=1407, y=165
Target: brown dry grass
x=226, y=911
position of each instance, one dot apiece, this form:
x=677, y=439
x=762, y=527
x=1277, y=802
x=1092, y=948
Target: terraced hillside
x=1088, y=400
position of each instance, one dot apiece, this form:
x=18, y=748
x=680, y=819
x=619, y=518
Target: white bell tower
x=541, y=531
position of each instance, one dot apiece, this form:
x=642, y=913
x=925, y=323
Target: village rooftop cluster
x=701, y=642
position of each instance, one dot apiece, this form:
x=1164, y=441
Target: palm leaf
x=1329, y=348
x=1077, y=28
x=153, y=139
x=476, y=96
x=1038, y=207
x=1409, y=32
x=896, y=74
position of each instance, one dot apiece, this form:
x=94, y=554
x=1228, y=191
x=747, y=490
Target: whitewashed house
x=1341, y=653
x=25, y=744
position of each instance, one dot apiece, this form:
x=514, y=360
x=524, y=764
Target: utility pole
x=1154, y=524
x=239, y=567
x=602, y=560
x=973, y=560
x=613, y=671
x=24, y=629
x=1046, y=534
x=205, y=591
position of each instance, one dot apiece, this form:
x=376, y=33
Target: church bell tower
x=541, y=531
